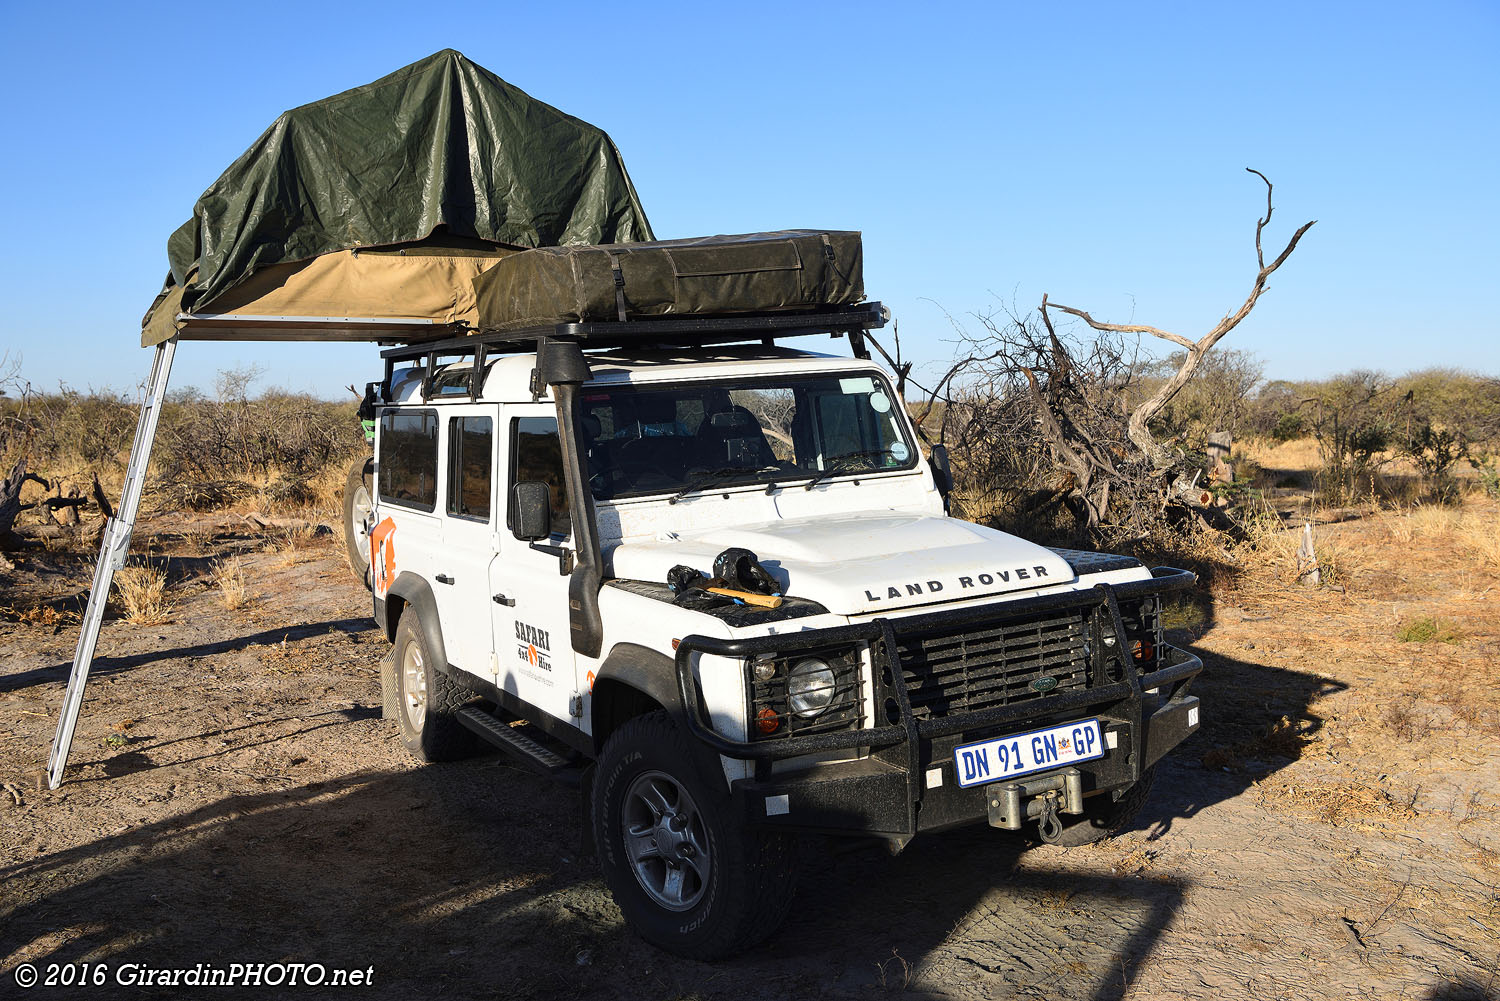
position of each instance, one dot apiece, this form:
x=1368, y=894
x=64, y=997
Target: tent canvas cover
x=388, y=200
x=750, y=273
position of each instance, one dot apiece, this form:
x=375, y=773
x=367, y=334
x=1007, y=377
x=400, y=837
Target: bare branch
x=1076, y=464
x=903, y=371
x=97, y=492
x=1117, y=328
x=1260, y=258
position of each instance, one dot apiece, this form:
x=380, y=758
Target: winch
x=1039, y=798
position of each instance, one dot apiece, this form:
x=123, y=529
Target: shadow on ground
x=465, y=880
x=113, y=665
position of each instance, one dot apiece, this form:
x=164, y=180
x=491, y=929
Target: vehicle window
x=451, y=382
x=656, y=438
x=471, y=443
x=536, y=455
x=408, y=459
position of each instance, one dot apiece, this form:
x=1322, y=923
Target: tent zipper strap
x=620, y=305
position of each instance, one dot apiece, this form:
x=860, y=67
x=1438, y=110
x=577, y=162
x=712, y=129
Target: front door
x=529, y=591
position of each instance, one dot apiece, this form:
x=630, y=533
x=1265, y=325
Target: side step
x=508, y=740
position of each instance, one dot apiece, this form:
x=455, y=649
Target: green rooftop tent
x=384, y=203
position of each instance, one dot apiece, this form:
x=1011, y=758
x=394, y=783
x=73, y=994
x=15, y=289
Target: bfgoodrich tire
x=687, y=877
x=1104, y=815
x=359, y=491
x=427, y=699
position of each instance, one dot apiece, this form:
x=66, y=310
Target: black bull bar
x=1122, y=700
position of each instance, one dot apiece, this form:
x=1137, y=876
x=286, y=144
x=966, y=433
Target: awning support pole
x=113, y=552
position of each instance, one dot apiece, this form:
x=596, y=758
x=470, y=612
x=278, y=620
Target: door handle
x=501, y=599
x=443, y=578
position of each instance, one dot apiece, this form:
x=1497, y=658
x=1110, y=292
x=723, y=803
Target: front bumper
x=871, y=796
x=904, y=782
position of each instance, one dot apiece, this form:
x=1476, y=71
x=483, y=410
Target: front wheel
x=686, y=876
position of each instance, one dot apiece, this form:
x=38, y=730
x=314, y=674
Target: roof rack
x=349, y=329
x=665, y=331
x=656, y=332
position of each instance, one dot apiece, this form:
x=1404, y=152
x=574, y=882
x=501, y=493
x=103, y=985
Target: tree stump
x=10, y=497
x=1219, y=468
x=1307, y=559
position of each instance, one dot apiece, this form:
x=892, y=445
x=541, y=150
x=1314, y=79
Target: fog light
x=766, y=721
x=810, y=687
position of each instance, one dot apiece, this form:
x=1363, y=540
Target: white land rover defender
x=539, y=494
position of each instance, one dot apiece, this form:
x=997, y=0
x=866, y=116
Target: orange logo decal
x=383, y=556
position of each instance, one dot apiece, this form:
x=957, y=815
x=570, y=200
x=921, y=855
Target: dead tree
x=1071, y=416
x=1138, y=426
x=10, y=497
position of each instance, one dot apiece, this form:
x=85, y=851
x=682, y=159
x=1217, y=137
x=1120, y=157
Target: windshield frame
x=763, y=478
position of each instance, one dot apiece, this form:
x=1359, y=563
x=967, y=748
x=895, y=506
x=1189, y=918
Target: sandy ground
x=234, y=797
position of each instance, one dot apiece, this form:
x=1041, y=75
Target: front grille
x=982, y=667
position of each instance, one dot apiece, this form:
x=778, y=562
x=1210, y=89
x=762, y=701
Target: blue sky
x=989, y=152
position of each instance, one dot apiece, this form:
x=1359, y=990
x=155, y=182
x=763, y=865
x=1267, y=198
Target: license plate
x=1024, y=753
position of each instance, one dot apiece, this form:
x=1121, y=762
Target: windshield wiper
x=874, y=453
x=713, y=477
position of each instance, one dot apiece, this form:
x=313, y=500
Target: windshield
x=654, y=439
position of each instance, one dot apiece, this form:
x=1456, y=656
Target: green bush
x=1428, y=630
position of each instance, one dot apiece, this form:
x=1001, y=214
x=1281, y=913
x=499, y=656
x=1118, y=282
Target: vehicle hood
x=861, y=563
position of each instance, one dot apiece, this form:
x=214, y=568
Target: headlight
x=810, y=687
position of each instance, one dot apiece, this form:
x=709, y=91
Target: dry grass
x=200, y=535
x=1300, y=454
x=1269, y=557
x=1473, y=527
x=1285, y=737
x=143, y=594
x=229, y=575
x=1406, y=722
x=292, y=545
x=1479, y=535
x=1478, y=717
x=45, y=616
x=1339, y=803
x=1433, y=520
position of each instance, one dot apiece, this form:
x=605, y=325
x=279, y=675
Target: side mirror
x=942, y=472
x=531, y=510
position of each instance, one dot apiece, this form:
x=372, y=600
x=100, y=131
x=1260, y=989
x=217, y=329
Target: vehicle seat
x=652, y=449
x=733, y=438
x=654, y=416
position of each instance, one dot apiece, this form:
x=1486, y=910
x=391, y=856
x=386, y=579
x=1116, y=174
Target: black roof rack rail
x=666, y=331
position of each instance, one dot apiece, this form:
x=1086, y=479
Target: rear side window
x=408, y=459
x=471, y=443
x=537, y=455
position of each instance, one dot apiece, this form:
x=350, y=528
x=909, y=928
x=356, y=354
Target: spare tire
x=359, y=496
